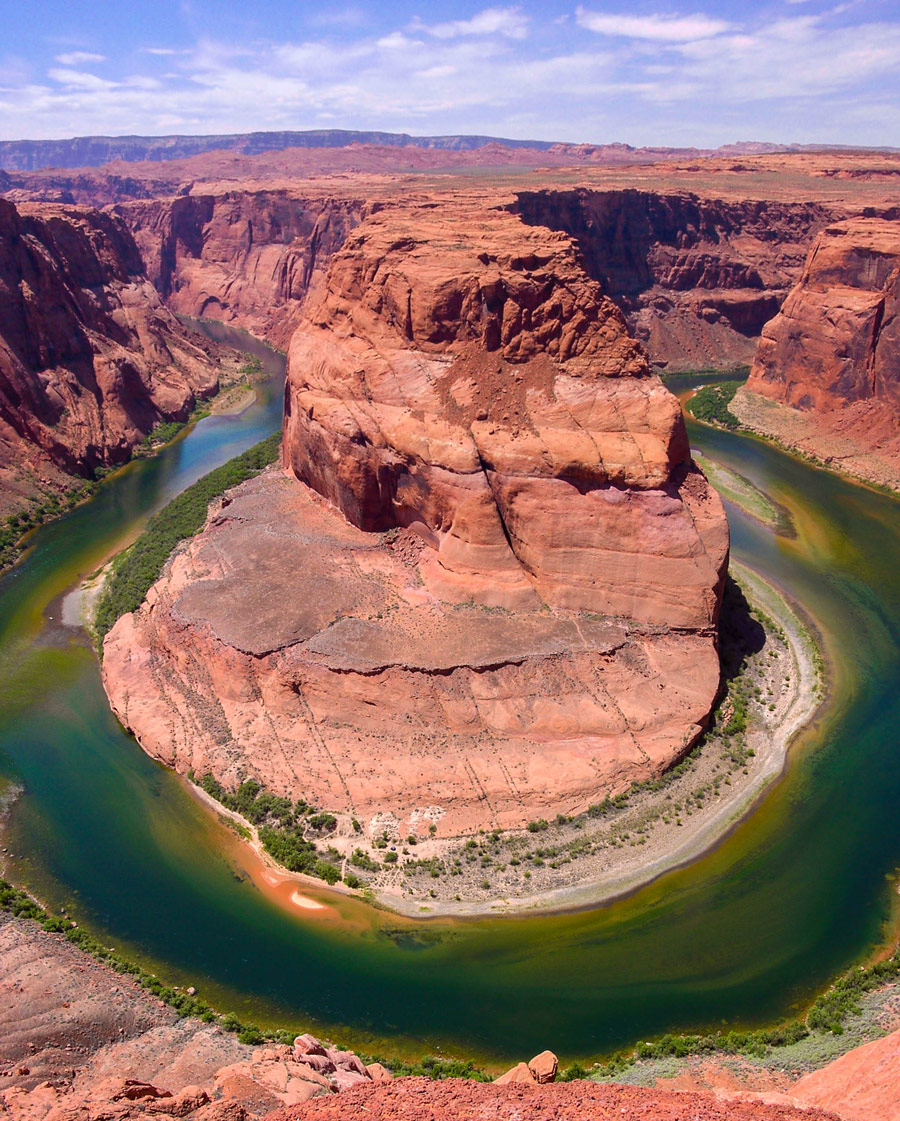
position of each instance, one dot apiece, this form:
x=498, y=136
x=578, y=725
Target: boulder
x=379, y=1073
x=544, y=1067
x=521, y=1072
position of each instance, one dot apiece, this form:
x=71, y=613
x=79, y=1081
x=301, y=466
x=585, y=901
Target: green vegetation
x=139, y=566
x=253, y=368
x=162, y=434
x=361, y=859
x=710, y=404
x=48, y=505
x=282, y=826
x=431, y=1067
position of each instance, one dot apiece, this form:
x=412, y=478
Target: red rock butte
x=493, y=592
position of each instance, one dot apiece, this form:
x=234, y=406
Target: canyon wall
x=827, y=373
x=242, y=257
x=698, y=278
x=90, y=358
x=491, y=595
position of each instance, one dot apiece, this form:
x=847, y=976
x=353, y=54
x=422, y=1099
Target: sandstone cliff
x=698, y=278
x=242, y=257
x=496, y=594
x=90, y=359
x=833, y=353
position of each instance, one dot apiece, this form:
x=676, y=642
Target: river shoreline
x=627, y=869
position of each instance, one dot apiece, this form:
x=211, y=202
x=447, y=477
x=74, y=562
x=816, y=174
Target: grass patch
x=136, y=569
x=282, y=826
x=710, y=404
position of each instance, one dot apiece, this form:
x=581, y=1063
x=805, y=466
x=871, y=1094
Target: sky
x=646, y=73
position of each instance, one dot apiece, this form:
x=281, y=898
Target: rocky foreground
x=79, y=1042
x=490, y=589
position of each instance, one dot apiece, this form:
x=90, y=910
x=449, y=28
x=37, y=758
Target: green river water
x=743, y=936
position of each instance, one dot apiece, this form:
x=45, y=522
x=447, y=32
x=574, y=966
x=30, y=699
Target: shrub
x=138, y=567
x=710, y=404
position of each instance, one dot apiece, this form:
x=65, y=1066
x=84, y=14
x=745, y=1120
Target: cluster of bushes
x=831, y=1008
x=282, y=826
x=431, y=1067
x=710, y=404
x=138, y=567
x=162, y=434
x=44, y=509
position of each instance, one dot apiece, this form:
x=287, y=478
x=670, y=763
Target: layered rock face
x=833, y=352
x=467, y=378
x=496, y=594
x=837, y=338
x=242, y=257
x=698, y=278
x=90, y=359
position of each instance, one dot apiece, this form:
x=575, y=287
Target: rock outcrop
x=242, y=257
x=418, y=1099
x=90, y=358
x=859, y=1086
x=698, y=278
x=79, y=1042
x=496, y=593
x=832, y=354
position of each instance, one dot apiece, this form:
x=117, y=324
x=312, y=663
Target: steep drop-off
x=90, y=358
x=698, y=278
x=493, y=592
x=243, y=257
x=832, y=355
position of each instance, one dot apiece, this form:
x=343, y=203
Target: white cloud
x=672, y=29
x=79, y=79
x=76, y=58
x=664, y=78
x=491, y=21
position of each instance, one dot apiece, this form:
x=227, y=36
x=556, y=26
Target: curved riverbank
x=665, y=839
x=744, y=936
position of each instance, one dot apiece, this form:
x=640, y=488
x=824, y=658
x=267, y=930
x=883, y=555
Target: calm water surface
x=743, y=936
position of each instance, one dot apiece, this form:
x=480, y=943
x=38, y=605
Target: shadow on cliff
x=740, y=635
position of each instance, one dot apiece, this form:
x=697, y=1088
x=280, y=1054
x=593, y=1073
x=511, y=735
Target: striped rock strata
x=489, y=588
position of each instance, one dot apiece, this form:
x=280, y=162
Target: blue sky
x=642, y=72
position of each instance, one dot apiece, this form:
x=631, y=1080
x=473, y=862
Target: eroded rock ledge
x=826, y=378
x=90, y=358
x=493, y=591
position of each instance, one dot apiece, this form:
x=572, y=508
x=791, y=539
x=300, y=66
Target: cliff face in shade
x=90, y=359
x=698, y=278
x=246, y=257
x=491, y=596
x=826, y=377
